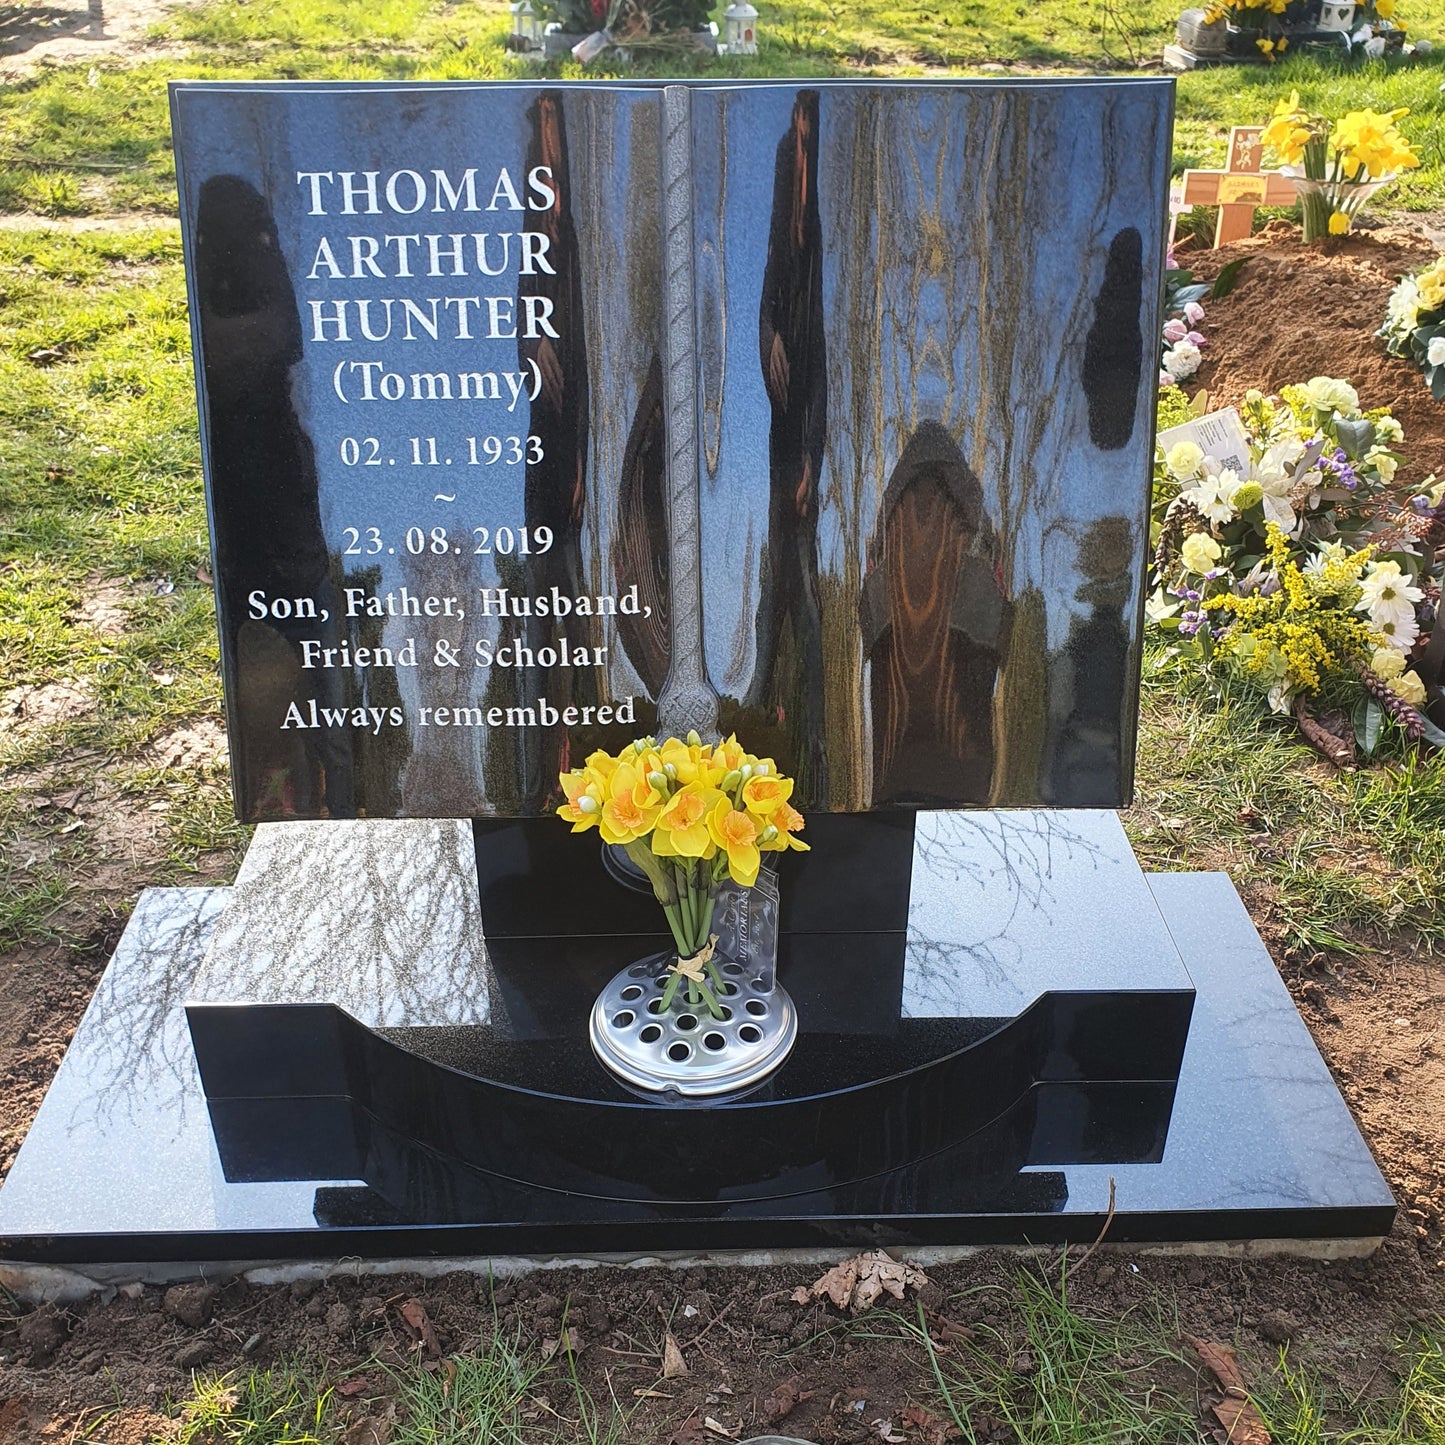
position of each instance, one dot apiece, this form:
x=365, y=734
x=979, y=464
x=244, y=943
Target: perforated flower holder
x=703, y=1026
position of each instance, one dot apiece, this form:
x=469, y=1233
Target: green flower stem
x=670, y=992
x=689, y=919
x=674, y=922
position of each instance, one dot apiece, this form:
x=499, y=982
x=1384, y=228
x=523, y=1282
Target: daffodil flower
x=736, y=835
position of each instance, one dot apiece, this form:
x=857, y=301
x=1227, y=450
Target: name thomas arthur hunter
x=507, y=652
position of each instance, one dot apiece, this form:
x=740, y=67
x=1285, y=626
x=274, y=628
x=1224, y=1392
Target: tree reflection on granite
x=1006, y=905
x=382, y=918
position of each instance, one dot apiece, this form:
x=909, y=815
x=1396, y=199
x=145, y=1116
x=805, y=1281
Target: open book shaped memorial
x=537, y=418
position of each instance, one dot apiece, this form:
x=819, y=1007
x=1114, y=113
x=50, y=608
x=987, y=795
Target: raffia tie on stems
x=696, y=971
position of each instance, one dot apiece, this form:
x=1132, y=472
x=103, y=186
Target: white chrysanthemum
x=1328, y=554
x=1386, y=592
x=1387, y=663
x=1184, y=459
x=1325, y=553
x=1182, y=360
x=1400, y=633
x=1329, y=393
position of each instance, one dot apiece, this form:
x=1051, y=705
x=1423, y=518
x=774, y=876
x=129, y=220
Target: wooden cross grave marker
x=1239, y=187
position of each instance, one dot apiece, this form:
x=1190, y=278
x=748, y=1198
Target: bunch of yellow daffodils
x=689, y=814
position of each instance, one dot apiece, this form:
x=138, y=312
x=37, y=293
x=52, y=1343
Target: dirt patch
x=1378, y=1022
x=39, y=705
x=1300, y=311
x=200, y=744
x=104, y=605
x=68, y=32
x=755, y=1360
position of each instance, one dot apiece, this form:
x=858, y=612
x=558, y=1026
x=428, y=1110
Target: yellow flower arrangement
x=1292, y=638
x=1334, y=163
x=688, y=814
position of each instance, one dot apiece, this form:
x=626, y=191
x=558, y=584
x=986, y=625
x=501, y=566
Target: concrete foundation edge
x=45, y=1283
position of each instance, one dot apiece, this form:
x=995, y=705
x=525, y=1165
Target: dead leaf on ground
x=859, y=1283
x=45, y=356
x=884, y=1430
x=783, y=1398
x=570, y=1341
x=416, y=1319
x=716, y=1427
x=348, y=1388
x=371, y=1429
x=1238, y=1422
x=690, y=1432
x=945, y=1332
x=932, y=1429
x=673, y=1364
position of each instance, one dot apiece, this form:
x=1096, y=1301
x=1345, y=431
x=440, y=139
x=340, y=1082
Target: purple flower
x=1421, y=503
x=1175, y=330
x=1195, y=338
x=1193, y=313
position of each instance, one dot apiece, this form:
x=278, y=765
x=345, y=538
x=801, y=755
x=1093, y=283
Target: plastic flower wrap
x=1337, y=165
x=1415, y=324
x=689, y=814
x=1308, y=569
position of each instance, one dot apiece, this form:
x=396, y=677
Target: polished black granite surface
x=536, y=417
x=121, y=1163
x=960, y=984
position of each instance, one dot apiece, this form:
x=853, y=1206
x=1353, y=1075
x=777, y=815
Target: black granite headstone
x=536, y=419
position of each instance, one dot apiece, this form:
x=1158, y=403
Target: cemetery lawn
x=91, y=137
x=113, y=777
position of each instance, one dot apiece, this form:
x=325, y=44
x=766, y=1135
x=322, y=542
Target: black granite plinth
x=1252, y=1142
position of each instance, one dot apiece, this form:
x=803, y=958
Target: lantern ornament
x=526, y=27
x=740, y=28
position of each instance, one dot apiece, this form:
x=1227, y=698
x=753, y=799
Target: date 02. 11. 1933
x=488, y=451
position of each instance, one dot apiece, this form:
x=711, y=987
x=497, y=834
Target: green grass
x=263, y=1407
x=100, y=482
x=1046, y=1371
x=1051, y=1374
x=495, y=1394
x=482, y=1396
x=1303, y=1406
x=1210, y=101
x=84, y=140
x=1337, y=859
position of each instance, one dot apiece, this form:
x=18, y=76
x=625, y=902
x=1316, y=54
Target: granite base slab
x=121, y=1165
